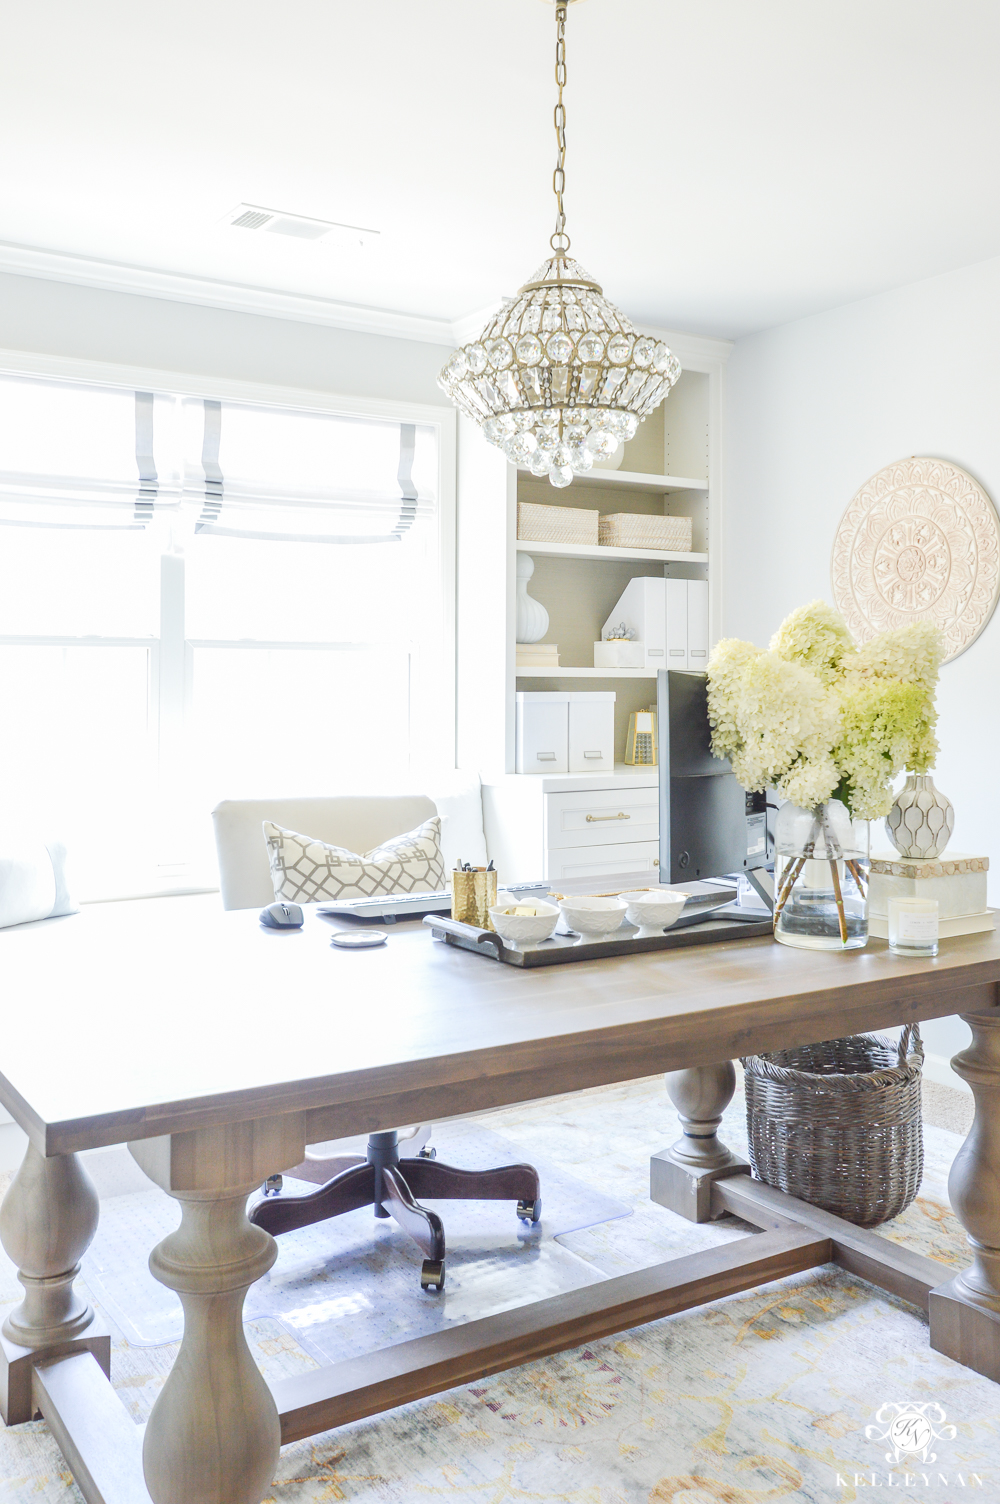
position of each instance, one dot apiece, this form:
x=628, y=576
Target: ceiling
x=732, y=164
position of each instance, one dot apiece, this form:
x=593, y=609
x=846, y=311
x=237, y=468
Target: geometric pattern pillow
x=305, y=870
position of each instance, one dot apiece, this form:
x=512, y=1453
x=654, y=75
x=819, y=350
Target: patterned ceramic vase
x=921, y=820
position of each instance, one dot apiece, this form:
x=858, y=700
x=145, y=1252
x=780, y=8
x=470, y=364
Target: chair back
x=356, y=822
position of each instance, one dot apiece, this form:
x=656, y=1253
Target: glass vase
x=821, y=877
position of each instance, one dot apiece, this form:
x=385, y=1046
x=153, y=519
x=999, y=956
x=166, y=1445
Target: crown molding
x=235, y=297
x=692, y=350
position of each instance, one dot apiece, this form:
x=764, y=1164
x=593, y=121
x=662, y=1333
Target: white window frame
x=171, y=669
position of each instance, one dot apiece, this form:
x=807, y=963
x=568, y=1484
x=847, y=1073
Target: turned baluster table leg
x=213, y=1434
x=965, y=1312
x=47, y=1221
x=681, y=1178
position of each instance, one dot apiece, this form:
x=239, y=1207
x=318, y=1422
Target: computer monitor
x=709, y=825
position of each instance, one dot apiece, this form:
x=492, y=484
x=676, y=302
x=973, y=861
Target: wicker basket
x=538, y=524
x=640, y=530
x=838, y=1124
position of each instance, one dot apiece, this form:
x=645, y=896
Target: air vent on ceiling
x=298, y=226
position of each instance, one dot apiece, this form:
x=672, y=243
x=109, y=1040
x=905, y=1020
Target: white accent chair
x=357, y=822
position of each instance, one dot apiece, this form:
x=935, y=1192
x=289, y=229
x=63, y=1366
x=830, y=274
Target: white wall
x=61, y=318
x=815, y=408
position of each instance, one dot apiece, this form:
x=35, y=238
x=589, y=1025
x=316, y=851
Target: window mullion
x=172, y=693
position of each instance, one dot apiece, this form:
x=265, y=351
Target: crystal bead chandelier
x=559, y=377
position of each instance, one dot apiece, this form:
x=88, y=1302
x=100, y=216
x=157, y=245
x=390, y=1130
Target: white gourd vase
x=532, y=619
x=922, y=819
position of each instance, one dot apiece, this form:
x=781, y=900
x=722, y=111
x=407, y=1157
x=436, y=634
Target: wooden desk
x=218, y=1050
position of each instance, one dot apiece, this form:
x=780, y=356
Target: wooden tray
x=624, y=942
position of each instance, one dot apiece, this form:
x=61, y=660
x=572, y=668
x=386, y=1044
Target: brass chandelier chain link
x=559, y=117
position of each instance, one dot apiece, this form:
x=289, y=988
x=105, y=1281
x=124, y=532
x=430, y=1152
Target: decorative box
x=640, y=530
x=619, y=653
x=956, y=880
x=539, y=524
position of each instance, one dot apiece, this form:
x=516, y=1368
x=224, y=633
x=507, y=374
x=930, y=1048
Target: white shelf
x=585, y=673
x=603, y=551
x=629, y=480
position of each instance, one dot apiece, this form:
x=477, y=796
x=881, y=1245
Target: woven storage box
x=638, y=530
x=838, y=1124
x=538, y=524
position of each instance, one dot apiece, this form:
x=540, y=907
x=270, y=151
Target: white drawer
x=603, y=817
x=588, y=861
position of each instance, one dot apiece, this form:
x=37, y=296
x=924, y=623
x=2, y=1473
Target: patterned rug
x=760, y=1397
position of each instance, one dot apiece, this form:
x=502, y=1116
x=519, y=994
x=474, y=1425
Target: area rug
x=761, y=1397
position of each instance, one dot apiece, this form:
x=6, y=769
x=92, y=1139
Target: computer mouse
x=282, y=916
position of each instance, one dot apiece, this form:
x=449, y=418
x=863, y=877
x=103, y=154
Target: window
x=203, y=598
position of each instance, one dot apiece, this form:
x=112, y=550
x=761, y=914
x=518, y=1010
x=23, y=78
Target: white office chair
x=398, y=1167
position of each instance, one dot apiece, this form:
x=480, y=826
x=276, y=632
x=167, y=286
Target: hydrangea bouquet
x=819, y=718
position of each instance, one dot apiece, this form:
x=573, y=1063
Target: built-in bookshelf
x=671, y=467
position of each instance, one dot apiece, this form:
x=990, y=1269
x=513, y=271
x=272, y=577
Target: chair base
x=394, y=1186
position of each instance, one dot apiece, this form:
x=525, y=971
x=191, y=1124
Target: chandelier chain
x=559, y=117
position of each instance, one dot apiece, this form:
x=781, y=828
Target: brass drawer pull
x=620, y=816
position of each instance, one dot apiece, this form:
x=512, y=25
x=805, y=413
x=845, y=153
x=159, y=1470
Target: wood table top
x=135, y=1019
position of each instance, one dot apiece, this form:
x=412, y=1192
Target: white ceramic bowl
x=519, y=930
x=653, y=911
x=593, y=916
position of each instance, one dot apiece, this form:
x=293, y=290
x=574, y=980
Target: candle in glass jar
x=913, y=926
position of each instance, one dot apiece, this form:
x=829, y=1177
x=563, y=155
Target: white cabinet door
x=592, y=733
x=602, y=861
x=603, y=817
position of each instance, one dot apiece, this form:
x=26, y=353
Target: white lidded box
x=565, y=732
x=619, y=653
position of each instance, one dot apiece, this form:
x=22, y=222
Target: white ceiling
x=732, y=163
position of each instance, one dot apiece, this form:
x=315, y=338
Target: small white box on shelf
x=676, y=635
x=642, y=608
x=619, y=653
x=592, y=732
x=542, y=732
x=697, y=630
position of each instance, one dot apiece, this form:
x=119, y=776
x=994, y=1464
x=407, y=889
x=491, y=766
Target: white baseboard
x=13, y=1142
x=938, y=1068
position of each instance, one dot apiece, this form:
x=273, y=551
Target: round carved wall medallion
x=920, y=539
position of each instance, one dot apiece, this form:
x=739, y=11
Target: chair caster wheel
x=530, y=1211
x=272, y=1185
x=427, y=1153
x=432, y=1275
